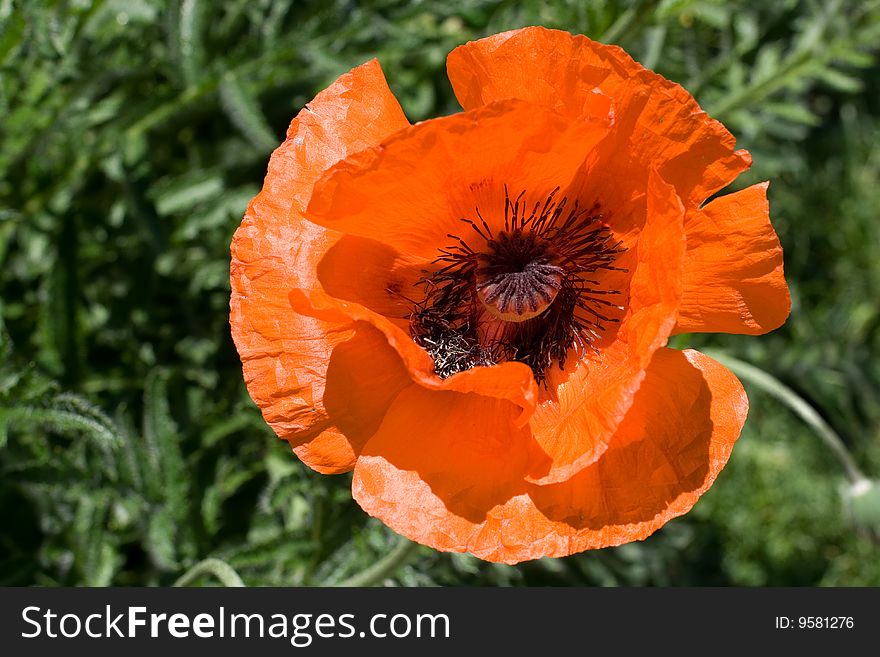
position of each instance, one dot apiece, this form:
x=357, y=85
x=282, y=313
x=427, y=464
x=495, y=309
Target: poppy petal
x=733, y=274
x=284, y=354
x=413, y=190
x=660, y=122
x=374, y=275
x=440, y=462
x=508, y=381
x=575, y=425
x=666, y=453
x=363, y=376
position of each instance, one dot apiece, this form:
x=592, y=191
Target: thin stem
x=796, y=403
x=219, y=569
x=384, y=567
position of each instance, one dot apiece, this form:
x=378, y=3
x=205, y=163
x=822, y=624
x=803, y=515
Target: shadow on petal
x=660, y=452
x=374, y=275
x=466, y=448
x=364, y=374
x=668, y=450
x=450, y=473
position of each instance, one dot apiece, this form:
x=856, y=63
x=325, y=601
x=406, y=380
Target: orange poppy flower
x=470, y=312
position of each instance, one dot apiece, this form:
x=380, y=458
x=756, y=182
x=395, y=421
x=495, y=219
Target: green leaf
x=66, y=413
x=176, y=195
x=792, y=112
x=97, y=558
x=160, y=540
x=839, y=81
x=163, y=444
x=244, y=113
x=190, y=35
x=12, y=30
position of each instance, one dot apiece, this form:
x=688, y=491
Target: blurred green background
x=133, y=134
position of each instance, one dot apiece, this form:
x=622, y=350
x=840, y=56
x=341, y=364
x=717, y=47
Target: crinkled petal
x=436, y=472
x=440, y=462
x=412, y=191
x=575, y=423
x=667, y=452
x=285, y=355
x=733, y=277
x=363, y=376
x=512, y=382
x=657, y=121
x=374, y=275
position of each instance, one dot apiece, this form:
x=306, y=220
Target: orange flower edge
x=471, y=312
x=463, y=489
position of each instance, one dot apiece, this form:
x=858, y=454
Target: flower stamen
x=525, y=296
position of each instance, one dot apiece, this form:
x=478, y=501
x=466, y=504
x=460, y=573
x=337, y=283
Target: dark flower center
x=518, y=277
x=525, y=296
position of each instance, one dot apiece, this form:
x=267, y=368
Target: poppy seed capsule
x=519, y=277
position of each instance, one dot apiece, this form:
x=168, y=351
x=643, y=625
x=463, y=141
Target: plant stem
x=376, y=573
x=219, y=569
x=796, y=403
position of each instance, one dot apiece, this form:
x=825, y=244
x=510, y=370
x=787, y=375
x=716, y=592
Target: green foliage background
x=133, y=134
